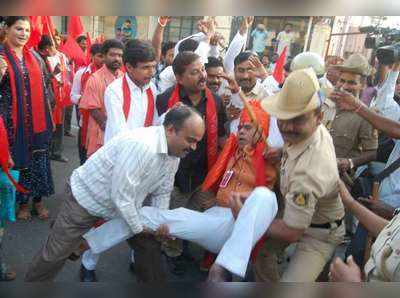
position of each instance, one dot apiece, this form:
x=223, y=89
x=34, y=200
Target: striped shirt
x=115, y=181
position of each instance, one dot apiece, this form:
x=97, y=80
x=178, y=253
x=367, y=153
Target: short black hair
x=96, y=49
x=167, y=46
x=45, y=42
x=177, y=116
x=213, y=62
x=140, y=53
x=81, y=38
x=182, y=60
x=242, y=57
x=133, y=43
x=111, y=43
x=189, y=45
x=11, y=20
x=288, y=24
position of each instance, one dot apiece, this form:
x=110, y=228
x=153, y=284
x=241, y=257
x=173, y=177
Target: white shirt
x=55, y=60
x=76, y=89
x=118, y=177
x=285, y=39
x=389, y=191
x=114, y=100
x=237, y=44
x=384, y=101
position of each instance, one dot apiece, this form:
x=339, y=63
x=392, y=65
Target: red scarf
x=127, y=102
x=4, y=156
x=35, y=86
x=211, y=123
x=85, y=113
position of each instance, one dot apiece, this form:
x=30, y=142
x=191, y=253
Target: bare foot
x=218, y=273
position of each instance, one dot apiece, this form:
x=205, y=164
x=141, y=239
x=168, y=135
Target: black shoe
x=69, y=134
x=87, y=275
x=59, y=158
x=132, y=267
x=177, y=265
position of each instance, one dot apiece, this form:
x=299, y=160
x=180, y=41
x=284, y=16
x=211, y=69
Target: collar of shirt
x=185, y=96
x=135, y=87
x=106, y=73
x=295, y=150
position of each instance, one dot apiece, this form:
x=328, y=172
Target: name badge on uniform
x=225, y=180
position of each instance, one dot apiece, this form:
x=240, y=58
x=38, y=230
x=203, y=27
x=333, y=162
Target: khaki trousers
x=66, y=234
x=311, y=255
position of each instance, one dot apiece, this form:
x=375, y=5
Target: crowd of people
x=180, y=143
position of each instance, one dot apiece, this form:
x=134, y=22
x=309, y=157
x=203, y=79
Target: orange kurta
x=244, y=176
x=93, y=98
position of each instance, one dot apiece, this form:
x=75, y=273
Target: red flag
x=48, y=26
x=75, y=27
x=73, y=51
x=278, y=70
x=88, y=46
x=36, y=31
x=71, y=47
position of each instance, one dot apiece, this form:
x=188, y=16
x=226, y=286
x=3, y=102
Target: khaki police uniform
x=384, y=261
x=352, y=135
x=309, y=177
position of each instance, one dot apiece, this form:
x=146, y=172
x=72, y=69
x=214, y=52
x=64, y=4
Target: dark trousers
x=57, y=141
x=81, y=149
x=66, y=234
x=67, y=118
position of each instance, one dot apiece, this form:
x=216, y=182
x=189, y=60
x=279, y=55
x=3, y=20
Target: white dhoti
x=215, y=229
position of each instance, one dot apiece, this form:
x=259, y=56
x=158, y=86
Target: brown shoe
x=39, y=210
x=8, y=276
x=24, y=213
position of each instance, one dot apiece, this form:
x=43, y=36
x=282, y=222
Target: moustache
x=201, y=81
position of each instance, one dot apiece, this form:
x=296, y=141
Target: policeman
x=313, y=212
x=384, y=262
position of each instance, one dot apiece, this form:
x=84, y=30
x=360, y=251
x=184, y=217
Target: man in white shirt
x=130, y=100
x=114, y=182
x=285, y=38
x=130, y=104
x=384, y=102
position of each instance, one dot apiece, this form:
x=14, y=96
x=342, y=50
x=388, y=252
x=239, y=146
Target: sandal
x=39, y=210
x=6, y=275
x=24, y=212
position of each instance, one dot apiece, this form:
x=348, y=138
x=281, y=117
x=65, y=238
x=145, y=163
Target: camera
x=388, y=54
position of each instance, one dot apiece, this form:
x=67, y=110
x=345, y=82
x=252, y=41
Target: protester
x=26, y=112
x=115, y=181
x=57, y=64
x=285, y=38
x=78, y=86
x=260, y=36
x=93, y=96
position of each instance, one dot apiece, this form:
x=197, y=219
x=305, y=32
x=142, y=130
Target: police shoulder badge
x=300, y=199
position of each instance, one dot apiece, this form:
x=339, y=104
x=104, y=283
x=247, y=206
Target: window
x=180, y=27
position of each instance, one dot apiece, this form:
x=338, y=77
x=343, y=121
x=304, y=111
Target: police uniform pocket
x=390, y=259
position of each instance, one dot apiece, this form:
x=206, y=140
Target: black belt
x=328, y=225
